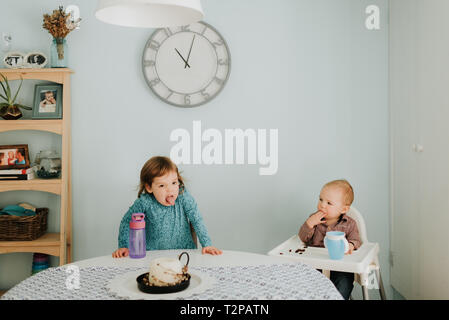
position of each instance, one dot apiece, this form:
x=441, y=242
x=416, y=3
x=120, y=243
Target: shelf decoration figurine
x=10, y=110
x=59, y=24
x=48, y=164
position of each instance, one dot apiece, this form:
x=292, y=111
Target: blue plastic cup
x=336, y=244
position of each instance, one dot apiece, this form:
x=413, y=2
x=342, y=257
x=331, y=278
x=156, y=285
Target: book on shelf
x=10, y=177
x=17, y=171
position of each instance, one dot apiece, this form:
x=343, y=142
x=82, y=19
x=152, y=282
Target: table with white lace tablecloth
x=237, y=275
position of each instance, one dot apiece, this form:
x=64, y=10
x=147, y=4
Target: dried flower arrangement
x=59, y=24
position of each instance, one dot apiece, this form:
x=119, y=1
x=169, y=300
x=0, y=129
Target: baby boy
x=335, y=200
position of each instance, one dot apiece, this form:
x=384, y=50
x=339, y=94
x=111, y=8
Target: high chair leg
x=365, y=293
x=381, y=285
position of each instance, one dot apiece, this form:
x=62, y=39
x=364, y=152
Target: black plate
x=158, y=290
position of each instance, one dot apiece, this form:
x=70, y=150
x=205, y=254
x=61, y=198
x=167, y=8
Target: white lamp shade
x=149, y=13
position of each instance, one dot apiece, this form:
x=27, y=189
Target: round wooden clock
x=186, y=66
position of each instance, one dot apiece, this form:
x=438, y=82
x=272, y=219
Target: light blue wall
x=309, y=68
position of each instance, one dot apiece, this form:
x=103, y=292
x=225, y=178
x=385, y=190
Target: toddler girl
x=335, y=200
x=169, y=210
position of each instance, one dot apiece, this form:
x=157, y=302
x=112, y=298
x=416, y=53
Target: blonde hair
x=343, y=184
x=157, y=167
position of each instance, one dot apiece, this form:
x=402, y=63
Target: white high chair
x=361, y=262
x=362, y=278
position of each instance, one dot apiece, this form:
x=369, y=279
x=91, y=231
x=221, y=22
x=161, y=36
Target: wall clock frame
x=186, y=66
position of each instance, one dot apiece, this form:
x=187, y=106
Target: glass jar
x=59, y=53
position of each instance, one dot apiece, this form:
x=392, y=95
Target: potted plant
x=10, y=110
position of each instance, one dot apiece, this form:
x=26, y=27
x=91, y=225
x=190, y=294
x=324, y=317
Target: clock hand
x=182, y=58
x=190, y=51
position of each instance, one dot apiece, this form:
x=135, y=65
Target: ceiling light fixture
x=149, y=13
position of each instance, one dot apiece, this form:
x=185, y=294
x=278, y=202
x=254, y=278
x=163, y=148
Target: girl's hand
x=120, y=253
x=315, y=219
x=212, y=250
x=351, y=248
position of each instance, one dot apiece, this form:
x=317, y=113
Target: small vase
x=59, y=53
x=10, y=113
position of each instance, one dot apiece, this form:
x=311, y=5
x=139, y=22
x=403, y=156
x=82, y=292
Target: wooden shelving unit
x=54, y=126
x=51, y=186
x=49, y=243
x=55, y=244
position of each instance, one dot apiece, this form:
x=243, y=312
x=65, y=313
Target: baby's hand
x=315, y=219
x=120, y=253
x=212, y=250
x=351, y=248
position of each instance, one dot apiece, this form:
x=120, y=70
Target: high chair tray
x=295, y=250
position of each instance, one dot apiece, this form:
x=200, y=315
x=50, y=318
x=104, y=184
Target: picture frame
x=17, y=60
x=14, y=157
x=35, y=60
x=14, y=60
x=47, y=101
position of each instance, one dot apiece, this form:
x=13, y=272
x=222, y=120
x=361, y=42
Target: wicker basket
x=13, y=228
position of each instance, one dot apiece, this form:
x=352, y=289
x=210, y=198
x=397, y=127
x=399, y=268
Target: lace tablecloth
x=261, y=282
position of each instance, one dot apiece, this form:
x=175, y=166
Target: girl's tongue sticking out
x=170, y=200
